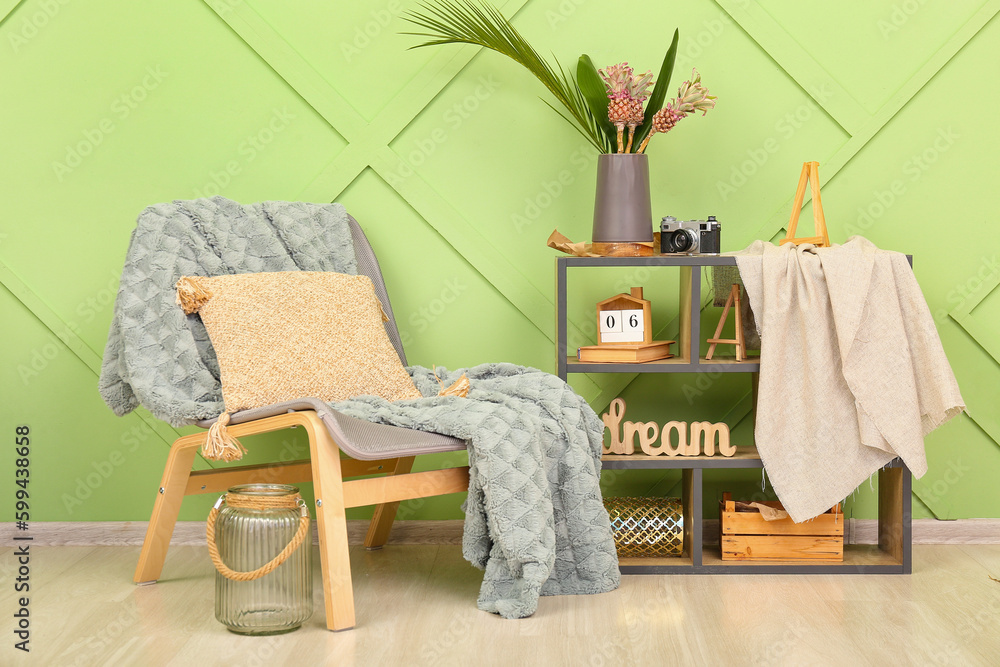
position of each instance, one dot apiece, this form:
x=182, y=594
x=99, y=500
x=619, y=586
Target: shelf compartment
x=677, y=564
x=858, y=559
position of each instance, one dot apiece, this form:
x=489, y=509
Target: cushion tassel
x=459, y=387
x=191, y=294
x=220, y=446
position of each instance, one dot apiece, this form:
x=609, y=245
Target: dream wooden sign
x=703, y=436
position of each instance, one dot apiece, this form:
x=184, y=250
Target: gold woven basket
x=646, y=527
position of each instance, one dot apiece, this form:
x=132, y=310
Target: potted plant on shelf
x=600, y=104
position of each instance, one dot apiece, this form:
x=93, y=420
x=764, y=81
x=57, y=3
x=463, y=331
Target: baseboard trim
x=192, y=533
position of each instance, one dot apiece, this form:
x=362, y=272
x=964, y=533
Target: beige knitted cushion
x=294, y=334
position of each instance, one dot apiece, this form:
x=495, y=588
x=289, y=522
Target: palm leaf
x=596, y=96
x=468, y=22
x=659, y=95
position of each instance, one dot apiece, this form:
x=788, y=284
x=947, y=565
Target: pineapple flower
x=616, y=80
x=666, y=118
x=638, y=91
x=638, y=87
x=692, y=96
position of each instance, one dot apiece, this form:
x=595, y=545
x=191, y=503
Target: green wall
x=459, y=172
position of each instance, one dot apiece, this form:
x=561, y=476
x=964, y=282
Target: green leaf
x=469, y=22
x=595, y=93
x=659, y=95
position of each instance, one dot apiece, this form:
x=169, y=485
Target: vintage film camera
x=692, y=237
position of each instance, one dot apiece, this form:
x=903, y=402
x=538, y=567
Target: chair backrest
x=368, y=265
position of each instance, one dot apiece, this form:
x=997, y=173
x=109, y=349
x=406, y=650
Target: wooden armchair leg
x=331, y=520
x=385, y=514
x=166, y=508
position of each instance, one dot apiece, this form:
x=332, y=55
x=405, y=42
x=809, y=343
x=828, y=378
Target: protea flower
x=617, y=80
x=691, y=97
x=638, y=90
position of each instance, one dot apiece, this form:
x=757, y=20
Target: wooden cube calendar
x=625, y=332
x=625, y=319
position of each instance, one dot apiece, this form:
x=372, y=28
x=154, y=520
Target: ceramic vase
x=622, y=210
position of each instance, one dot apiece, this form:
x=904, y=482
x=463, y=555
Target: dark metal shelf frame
x=894, y=552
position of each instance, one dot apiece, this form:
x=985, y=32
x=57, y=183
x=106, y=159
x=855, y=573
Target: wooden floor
x=416, y=605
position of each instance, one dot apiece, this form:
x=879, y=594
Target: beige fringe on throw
x=219, y=445
x=459, y=387
x=192, y=294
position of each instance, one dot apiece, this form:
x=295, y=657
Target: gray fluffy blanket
x=535, y=520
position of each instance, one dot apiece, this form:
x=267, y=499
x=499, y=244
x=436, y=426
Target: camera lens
x=680, y=240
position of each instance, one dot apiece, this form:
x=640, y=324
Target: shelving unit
x=892, y=554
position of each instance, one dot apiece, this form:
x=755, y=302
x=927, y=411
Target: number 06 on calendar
x=625, y=331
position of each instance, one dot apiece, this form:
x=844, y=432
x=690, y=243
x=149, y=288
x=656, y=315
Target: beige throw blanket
x=852, y=370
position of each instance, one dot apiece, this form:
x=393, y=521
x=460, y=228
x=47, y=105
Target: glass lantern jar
x=260, y=543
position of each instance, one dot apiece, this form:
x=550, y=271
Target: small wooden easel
x=810, y=173
x=734, y=299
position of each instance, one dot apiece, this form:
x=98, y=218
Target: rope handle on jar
x=268, y=567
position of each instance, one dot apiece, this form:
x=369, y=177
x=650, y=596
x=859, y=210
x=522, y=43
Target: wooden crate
x=747, y=536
